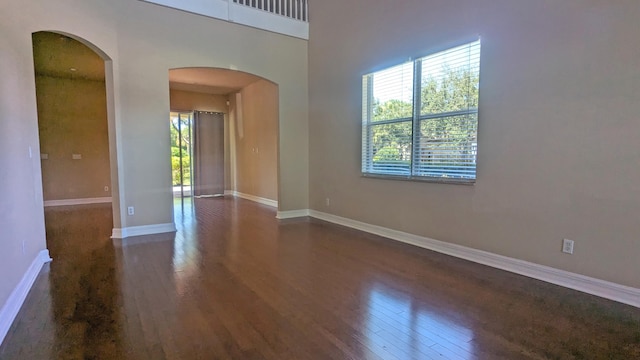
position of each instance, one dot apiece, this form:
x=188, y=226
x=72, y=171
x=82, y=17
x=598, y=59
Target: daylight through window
x=420, y=119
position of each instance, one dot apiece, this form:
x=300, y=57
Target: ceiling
x=210, y=80
x=60, y=56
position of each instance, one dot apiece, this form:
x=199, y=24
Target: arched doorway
x=246, y=106
x=74, y=92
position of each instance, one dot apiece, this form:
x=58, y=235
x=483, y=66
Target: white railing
x=293, y=9
x=288, y=17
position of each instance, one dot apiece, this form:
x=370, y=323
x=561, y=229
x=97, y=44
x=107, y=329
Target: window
x=420, y=118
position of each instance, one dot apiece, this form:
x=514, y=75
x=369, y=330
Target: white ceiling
x=210, y=80
x=60, y=56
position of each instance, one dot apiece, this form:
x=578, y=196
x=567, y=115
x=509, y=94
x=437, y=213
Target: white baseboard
x=11, y=308
x=257, y=199
x=292, y=214
x=605, y=289
x=85, y=201
x=122, y=233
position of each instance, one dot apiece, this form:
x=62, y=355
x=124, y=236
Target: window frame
x=416, y=120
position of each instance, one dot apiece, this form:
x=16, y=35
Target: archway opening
x=224, y=127
x=74, y=92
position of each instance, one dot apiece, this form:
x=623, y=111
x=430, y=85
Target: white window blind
x=420, y=119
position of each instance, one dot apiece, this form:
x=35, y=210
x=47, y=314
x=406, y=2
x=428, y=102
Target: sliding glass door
x=181, y=154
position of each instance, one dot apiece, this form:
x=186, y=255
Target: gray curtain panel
x=208, y=154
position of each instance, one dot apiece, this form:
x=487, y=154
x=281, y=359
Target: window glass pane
x=447, y=147
x=392, y=93
x=444, y=143
x=391, y=145
x=450, y=80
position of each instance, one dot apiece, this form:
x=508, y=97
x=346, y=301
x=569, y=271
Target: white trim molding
x=291, y=214
x=84, y=201
x=11, y=308
x=605, y=289
x=123, y=233
x=260, y=200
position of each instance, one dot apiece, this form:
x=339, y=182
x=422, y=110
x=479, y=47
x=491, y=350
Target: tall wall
x=21, y=215
x=255, y=141
x=140, y=42
x=72, y=119
x=558, y=126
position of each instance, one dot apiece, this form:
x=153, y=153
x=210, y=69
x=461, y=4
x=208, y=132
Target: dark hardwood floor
x=235, y=283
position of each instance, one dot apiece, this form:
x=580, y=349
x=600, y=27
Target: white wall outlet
x=130, y=210
x=44, y=156
x=567, y=246
x=106, y=189
x=76, y=156
x=327, y=201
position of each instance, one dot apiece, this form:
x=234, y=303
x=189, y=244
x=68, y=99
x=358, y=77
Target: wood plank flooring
x=235, y=283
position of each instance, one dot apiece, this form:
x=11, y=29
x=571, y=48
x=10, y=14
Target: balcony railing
x=293, y=9
x=288, y=17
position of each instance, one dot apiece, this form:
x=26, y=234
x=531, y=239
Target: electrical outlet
x=130, y=210
x=567, y=246
x=106, y=188
x=328, y=201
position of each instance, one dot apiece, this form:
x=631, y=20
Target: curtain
x=208, y=154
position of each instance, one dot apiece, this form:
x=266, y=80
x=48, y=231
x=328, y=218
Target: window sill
x=437, y=180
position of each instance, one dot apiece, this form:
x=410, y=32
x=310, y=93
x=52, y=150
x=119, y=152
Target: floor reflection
x=401, y=327
x=185, y=245
x=235, y=283
x=83, y=283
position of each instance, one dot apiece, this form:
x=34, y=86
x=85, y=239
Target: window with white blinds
x=420, y=118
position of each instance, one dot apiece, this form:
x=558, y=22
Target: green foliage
x=175, y=169
x=392, y=109
x=180, y=123
x=392, y=136
x=458, y=91
x=387, y=153
x=395, y=136
x=455, y=91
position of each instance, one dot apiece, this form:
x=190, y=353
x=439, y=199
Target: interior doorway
x=75, y=99
x=74, y=123
x=197, y=154
x=234, y=134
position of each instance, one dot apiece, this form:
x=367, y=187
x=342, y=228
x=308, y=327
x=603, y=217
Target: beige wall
x=256, y=140
x=72, y=119
x=21, y=215
x=558, y=147
x=141, y=42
